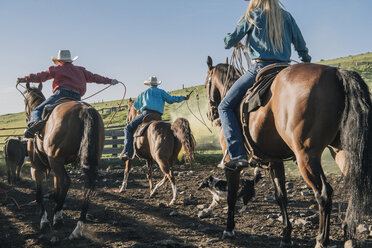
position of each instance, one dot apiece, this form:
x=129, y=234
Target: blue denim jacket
x=154, y=99
x=259, y=43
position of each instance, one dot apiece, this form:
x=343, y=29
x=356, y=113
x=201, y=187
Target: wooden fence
x=114, y=139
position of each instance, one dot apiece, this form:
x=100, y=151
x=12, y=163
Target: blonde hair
x=274, y=20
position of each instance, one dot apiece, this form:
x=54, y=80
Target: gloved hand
x=114, y=81
x=187, y=97
x=20, y=80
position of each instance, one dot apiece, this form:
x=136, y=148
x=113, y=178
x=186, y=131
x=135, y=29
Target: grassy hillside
x=361, y=63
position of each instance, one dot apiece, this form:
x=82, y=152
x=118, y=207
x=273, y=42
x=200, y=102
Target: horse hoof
x=122, y=189
x=319, y=245
x=286, y=244
x=78, y=231
x=44, y=226
x=228, y=235
x=44, y=222
x=350, y=244
x=58, y=220
x=57, y=224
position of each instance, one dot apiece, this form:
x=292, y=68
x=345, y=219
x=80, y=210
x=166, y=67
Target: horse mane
x=229, y=75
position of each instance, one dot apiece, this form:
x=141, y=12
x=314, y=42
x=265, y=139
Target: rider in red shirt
x=68, y=81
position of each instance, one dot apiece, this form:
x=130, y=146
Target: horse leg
x=340, y=158
x=149, y=173
x=233, y=178
x=38, y=175
x=158, y=185
x=172, y=180
x=90, y=183
x=277, y=175
x=128, y=166
x=61, y=185
x=313, y=174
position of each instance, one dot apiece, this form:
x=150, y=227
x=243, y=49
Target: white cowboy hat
x=153, y=81
x=65, y=56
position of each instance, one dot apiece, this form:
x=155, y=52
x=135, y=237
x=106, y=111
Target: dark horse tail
x=181, y=129
x=356, y=140
x=89, y=152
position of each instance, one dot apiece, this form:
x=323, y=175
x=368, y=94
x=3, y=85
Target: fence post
x=114, y=145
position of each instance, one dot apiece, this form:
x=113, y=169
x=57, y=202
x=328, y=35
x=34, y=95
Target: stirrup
x=28, y=134
x=237, y=164
x=124, y=157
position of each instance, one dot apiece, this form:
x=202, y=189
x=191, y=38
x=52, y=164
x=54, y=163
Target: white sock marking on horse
x=44, y=219
x=57, y=216
x=174, y=190
x=125, y=182
x=227, y=234
x=78, y=231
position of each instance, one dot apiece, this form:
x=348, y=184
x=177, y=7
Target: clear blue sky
x=131, y=40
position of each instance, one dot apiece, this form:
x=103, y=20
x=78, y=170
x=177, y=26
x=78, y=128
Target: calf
x=15, y=151
x=218, y=188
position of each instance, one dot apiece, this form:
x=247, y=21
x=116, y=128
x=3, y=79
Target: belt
x=271, y=60
x=73, y=91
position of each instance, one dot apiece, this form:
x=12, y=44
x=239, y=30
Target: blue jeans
x=230, y=124
x=58, y=94
x=130, y=129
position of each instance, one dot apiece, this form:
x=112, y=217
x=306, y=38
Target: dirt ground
x=132, y=219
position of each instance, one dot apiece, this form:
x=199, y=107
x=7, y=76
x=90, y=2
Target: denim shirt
x=154, y=99
x=259, y=44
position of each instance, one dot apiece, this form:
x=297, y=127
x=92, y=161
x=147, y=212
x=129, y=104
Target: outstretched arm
x=38, y=77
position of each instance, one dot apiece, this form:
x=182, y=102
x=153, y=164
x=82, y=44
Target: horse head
x=217, y=83
x=33, y=98
x=132, y=112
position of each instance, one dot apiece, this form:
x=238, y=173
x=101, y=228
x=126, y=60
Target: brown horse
x=161, y=143
x=73, y=132
x=310, y=107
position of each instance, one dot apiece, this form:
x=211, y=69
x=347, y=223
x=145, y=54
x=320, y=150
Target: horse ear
x=40, y=86
x=227, y=60
x=209, y=63
x=28, y=86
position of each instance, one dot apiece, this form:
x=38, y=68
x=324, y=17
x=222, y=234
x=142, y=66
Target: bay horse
x=161, y=143
x=310, y=107
x=73, y=132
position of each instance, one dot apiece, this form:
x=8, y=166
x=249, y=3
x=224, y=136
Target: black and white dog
x=218, y=189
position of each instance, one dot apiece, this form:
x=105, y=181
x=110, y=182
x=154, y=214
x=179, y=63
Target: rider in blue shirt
x=270, y=31
x=151, y=100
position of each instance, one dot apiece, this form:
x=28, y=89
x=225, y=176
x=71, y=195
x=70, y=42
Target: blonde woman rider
x=270, y=30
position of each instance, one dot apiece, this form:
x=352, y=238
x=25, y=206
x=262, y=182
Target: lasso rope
x=236, y=63
x=112, y=117
x=201, y=120
x=14, y=200
x=121, y=102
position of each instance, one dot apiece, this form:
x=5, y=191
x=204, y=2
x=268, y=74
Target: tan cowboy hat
x=153, y=81
x=65, y=56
